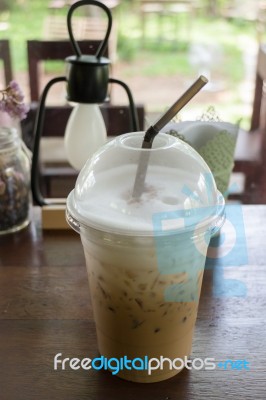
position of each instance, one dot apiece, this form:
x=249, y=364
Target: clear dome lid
x=179, y=190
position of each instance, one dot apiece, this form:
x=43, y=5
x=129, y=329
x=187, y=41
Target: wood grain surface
x=45, y=309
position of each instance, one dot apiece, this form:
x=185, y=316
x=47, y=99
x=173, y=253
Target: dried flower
x=12, y=101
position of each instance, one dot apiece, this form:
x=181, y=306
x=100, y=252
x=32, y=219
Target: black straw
x=153, y=130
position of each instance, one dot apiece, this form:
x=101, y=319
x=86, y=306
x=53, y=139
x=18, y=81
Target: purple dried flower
x=12, y=101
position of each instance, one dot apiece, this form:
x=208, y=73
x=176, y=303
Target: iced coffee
x=145, y=257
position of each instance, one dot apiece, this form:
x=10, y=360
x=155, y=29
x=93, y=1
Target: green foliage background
x=165, y=51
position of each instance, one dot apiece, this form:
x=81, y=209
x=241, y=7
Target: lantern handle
x=102, y=47
x=133, y=114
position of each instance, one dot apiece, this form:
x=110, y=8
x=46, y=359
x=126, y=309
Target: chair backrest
x=117, y=120
x=5, y=56
x=259, y=105
x=44, y=50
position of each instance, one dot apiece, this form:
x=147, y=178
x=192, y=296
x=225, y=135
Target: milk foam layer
x=110, y=203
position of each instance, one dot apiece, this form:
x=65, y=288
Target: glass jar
x=14, y=182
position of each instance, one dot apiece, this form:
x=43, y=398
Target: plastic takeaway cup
x=145, y=257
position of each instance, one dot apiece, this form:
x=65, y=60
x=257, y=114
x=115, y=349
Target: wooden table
x=166, y=8
x=45, y=310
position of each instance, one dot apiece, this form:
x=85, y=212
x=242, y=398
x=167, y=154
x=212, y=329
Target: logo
x=183, y=247
x=115, y=365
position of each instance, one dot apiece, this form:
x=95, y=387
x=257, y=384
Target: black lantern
x=87, y=79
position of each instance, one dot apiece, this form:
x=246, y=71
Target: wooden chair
x=39, y=51
x=53, y=158
x=5, y=56
x=250, y=155
x=84, y=28
x=54, y=166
